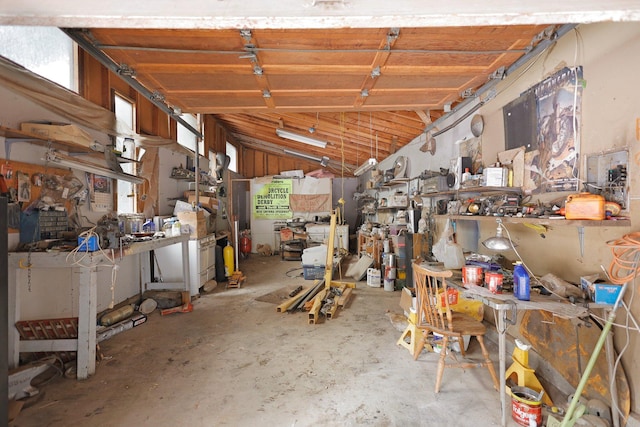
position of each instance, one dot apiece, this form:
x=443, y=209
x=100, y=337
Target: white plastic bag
x=447, y=251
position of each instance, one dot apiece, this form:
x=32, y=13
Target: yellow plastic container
x=584, y=206
x=227, y=255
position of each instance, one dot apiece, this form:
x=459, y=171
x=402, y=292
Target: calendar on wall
x=100, y=193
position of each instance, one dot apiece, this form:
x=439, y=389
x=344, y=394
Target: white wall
x=608, y=53
x=54, y=293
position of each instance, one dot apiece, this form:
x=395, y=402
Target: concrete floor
x=235, y=361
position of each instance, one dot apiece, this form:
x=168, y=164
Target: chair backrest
x=430, y=285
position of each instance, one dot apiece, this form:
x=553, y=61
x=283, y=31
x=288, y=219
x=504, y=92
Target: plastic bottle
x=227, y=254
x=466, y=176
x=149, y=226
x=521, y=284
x=175, y=228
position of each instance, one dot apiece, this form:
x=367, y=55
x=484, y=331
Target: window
x=126, y=191
x=232, y=152
x=188, y=139
x=46, y=51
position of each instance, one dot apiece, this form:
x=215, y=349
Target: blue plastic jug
x=521, y=284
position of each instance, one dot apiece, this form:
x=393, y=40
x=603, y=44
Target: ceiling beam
x=311, y=14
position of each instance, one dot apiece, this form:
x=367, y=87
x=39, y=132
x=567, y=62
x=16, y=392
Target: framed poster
x=559, y=100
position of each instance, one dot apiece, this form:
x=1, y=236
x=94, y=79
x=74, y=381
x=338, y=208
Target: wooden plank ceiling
x=365, y=91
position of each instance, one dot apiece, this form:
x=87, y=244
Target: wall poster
x=271, y=201
x=100, y=194
x=555, y=165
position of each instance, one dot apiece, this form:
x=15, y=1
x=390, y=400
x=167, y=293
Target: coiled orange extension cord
x=624, y=266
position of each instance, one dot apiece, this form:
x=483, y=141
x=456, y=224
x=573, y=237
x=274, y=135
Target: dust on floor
x=235, y=361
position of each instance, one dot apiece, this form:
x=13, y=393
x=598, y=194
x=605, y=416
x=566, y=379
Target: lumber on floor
x=317, y=304
x=286, y=304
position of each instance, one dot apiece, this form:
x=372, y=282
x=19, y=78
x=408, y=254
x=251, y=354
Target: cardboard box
x=407, y=300
x=60, y=132
x=598, y=290
x=205, y=201
x=196, y=221
x=398, y=201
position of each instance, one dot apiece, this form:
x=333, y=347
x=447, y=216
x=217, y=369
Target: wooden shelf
x=391, y=208
x=19, y=135
x=482, y=190
x=395, y=183
x=543, y=221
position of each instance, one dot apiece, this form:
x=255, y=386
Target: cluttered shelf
x=395, y=182
x=615, y=222
x=469, y=190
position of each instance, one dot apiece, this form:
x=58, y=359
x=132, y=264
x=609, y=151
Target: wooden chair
x=432, y=317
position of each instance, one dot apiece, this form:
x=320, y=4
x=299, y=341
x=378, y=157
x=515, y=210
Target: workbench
x=87, y=269
x=504, y=303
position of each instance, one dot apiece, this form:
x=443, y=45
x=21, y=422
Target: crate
x=313, y=272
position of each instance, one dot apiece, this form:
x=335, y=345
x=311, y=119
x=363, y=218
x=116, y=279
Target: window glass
x=126, y=196
x=232, y=152
x=188, y=139
x=46, y=51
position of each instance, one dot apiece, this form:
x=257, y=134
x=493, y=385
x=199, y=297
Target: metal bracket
x=157, y=96
x=498, y=74
x=245, y=34
x=125, y=70
x=514, y=313
x=467, y=93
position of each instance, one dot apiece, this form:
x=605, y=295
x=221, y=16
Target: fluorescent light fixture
x=366, y=166
x=62, y=160
x=282, y=133
x=324, y=160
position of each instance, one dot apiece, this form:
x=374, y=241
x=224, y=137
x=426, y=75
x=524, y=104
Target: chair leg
x=441, y=363
x=488, y=363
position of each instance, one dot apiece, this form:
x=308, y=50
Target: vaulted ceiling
x=366, y=76
x=366, y=92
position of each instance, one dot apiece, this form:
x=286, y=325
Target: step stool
x=412, y=333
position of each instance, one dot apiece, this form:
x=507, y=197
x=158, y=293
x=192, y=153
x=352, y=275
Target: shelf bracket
x=581, y=240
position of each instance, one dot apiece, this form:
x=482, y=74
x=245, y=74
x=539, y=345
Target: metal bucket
x=526, y=406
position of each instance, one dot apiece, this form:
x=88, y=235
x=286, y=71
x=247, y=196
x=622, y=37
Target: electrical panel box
x=607, y=175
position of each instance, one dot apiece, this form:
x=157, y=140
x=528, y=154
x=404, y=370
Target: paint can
x=472, y=275
x=493, y=281
x=526, y=406
x=389, y=279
